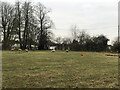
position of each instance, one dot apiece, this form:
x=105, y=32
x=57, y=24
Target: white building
x=52, y=47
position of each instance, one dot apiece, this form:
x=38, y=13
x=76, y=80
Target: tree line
x=82, y=41
x=29, y=25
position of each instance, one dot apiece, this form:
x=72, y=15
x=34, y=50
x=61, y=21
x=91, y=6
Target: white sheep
x=19, y=49
x=12, y=49
x=26, y=50
x=66, y=50
x=53, y=50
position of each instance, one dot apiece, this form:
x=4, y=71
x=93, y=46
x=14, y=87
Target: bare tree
x=59, y=40
x=27, y=15
x=74, y=30
x=83, y=37
x=44, y=23
x=8, y=23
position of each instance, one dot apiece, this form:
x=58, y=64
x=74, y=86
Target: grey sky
x=95, y=16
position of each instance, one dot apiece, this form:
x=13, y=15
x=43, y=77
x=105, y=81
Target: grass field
x=44, y=69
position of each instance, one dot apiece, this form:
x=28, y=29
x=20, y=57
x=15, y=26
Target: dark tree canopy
x=25, y=24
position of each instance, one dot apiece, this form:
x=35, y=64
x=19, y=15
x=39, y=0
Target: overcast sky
x=94, y=16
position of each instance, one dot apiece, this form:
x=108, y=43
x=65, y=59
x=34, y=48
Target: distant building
x=52, y=47
x=109, y=48
x=16, y=46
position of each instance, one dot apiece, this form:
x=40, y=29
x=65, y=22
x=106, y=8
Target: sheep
x=53, y=50
x=66, y=50
x=19, y=49
x=12, y=49
x=26, y=50
x=111, y=55
x=107, y=54
x=118, y=56
x=81, y=54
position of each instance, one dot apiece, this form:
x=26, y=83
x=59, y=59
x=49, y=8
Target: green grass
x=44, y=69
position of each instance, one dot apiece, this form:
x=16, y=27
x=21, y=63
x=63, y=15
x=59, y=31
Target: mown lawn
x=44, y=69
